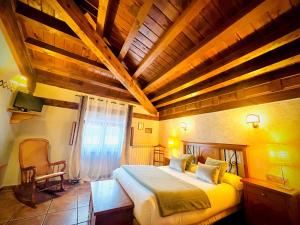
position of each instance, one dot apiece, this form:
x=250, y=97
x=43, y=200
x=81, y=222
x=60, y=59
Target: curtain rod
x=99, y=99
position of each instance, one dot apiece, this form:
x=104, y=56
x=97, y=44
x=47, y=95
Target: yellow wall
x=142, y=138
x=280, y=123
x=8, y=68
x=55, y=125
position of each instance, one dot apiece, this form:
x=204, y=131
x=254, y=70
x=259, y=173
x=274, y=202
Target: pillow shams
x=208, y=173
x=177, y=164
x=222, y=164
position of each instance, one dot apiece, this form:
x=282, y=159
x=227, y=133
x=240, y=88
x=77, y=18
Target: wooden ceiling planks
x=184, y=19
x=266, y=39
x=279, y=85
x=252, y=14
x=250, y=84
x=276, y=59
x=73, y=17
x=139, y=19
x=217, y=49
x=189, y=36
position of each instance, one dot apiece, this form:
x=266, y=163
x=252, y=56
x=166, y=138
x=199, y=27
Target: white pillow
x=208, y=173
x=233, y=180
x=177, y=164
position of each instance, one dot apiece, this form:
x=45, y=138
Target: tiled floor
x=72, y=207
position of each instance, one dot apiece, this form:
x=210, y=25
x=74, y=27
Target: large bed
x=225, y=198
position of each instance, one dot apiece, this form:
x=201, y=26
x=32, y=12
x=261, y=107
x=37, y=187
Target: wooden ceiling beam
x=52, y=79
x=102, y=15
x=75, y=19
x=59, y=53
x=212, y=105
x=14, y=38
x=276, y=83
x=282, y=73
x=24, y=11
x=275, y=60
x=229, y=28
x=138, y=21
x=91, y=20
x=89, y=78
x=181, y=22
x=264, y=40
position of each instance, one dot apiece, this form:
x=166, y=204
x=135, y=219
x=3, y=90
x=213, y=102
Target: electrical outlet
x=276, y=179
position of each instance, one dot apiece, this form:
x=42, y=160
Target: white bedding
x=221, y=196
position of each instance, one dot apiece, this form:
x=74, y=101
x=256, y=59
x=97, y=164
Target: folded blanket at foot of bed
x=173, y=195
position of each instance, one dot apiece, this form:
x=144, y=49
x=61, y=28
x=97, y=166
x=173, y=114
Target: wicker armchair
x=36, y=170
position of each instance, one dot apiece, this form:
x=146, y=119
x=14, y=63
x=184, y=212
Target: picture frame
x=140, y=126
x=148, y=130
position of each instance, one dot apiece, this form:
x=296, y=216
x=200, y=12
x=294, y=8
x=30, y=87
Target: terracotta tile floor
x=71, y=207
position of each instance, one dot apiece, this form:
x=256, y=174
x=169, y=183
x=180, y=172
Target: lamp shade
x=251, y=118
x=183, y=126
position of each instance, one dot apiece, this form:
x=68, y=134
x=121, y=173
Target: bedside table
x=266, y=204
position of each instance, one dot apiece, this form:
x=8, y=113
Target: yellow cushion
x=208, y=173
x=38, y=178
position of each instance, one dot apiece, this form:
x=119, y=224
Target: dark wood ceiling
x=180, y=52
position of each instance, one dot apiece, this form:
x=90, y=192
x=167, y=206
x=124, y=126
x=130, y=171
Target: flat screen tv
x=26, y=102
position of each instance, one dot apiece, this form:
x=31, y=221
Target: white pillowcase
x=233, y=180
x=177, y=164
x=208, y=173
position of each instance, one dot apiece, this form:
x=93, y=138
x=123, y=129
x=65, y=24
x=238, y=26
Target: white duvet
x=221, y=196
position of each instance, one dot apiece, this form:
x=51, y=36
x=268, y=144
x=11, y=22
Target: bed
x=225, y=199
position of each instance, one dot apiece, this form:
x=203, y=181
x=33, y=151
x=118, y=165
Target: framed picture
x=140, y=126
x=148, y=130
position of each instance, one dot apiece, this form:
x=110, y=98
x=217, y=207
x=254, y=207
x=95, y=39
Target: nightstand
x=266, y=204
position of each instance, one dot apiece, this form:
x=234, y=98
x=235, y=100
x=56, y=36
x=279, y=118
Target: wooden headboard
x=234, y=154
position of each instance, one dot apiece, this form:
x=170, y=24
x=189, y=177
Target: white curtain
x=103, y=138
x=74, y=160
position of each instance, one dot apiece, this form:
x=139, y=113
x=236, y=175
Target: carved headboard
x=234, y=154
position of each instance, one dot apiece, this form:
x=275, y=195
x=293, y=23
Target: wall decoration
x=148, y=130
x=140, y=126
x=72, y=136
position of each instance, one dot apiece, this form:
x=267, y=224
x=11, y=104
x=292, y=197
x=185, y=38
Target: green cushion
x=189, y=159
x=222, y=164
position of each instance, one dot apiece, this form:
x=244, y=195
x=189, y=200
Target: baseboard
x=9, y=187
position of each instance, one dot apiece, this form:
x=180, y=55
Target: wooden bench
x=110, y=204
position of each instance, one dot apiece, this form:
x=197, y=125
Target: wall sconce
x=253, y=119
x=183, y=126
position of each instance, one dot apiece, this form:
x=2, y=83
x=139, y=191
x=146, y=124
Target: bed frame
x=234, y=154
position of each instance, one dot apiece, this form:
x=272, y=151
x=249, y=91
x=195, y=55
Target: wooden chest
x=110, y=204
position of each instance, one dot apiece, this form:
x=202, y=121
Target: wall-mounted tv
x=26, y=102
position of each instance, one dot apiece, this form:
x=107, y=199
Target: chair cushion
x=38, y=178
